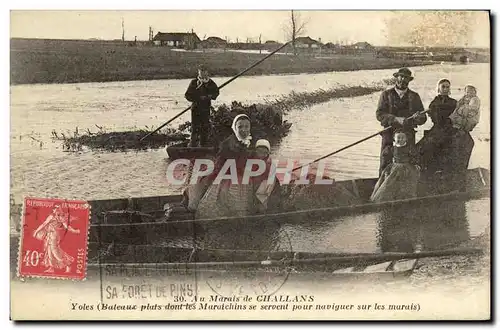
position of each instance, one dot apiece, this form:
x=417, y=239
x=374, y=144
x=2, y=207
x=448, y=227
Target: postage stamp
x=54, y=235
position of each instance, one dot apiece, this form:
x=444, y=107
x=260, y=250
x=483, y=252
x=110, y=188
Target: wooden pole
x=350, y=145
x=220, y=87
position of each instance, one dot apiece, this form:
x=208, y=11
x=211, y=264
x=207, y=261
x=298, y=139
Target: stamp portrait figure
x=51, y=232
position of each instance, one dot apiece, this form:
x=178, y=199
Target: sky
x=330, y=26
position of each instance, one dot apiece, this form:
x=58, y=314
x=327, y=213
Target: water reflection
x=261, y=235
x=429, y=227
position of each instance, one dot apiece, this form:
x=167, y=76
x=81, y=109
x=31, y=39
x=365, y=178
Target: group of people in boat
x=445, y=148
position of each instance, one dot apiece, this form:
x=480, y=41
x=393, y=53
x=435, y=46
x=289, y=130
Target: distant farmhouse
x=213, y=42
x=331, y=45
x=306, y=42
x=270, y=45
x=363, y=45
x=177, y=39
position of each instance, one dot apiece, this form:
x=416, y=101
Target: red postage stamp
x=54, y=238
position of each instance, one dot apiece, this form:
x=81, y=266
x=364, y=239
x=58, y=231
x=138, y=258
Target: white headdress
x=442, y=81
x=263, y=143
x=246, y=140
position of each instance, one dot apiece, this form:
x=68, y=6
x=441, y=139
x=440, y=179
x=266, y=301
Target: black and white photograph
x=250, y=164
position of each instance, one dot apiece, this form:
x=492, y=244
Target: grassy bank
x=302, y=100
x=71, y=61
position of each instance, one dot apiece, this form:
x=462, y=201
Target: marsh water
x=40, y=168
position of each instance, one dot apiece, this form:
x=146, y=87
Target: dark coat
x=200, y=109
x=435, y=147
x=391, y=106
x=231, y=148
x=440, y=109
x=404, y=155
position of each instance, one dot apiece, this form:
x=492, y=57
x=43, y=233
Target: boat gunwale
x=284, y=262
x=180, y=196
x=364, y=207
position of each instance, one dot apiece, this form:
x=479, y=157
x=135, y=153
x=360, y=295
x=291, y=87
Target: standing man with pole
x=220, y=87
x=201, y=91
x=402, y=109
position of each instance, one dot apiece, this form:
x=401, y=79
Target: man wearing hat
x=201, y=91
x=399, y=107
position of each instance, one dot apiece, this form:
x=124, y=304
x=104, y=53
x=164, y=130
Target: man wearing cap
x=400, y=108
x=201, y=91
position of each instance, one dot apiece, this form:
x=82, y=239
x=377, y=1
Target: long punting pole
x=221, y=86
x=350, y=145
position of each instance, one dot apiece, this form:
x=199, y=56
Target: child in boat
x=267, y=194
x=466, y=115
x=399, y=179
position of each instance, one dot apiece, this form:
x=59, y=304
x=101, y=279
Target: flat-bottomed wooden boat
x=145, y=213
x=183, y=151
x=393, y=264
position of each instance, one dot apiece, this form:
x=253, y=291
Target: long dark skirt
x=435, y=150
x=461, y=148
x=398, y=181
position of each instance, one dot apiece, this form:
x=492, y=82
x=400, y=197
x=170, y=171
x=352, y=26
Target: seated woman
x=434, y=147
x=399, y=180
x=227, y=198
x=464, y=119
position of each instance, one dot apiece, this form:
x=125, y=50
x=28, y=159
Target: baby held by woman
x=466, y=115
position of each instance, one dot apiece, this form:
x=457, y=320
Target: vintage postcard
x=194, y=165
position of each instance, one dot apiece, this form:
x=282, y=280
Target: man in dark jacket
x=201, y=91
x=400, y=108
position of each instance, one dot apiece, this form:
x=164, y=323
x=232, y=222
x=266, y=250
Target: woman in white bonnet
x=238, y=145
x=229, y=198
x=434, y=147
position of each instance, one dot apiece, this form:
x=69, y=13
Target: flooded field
x=40, y=168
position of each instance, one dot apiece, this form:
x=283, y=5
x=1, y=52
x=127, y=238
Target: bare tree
x=295, y=27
